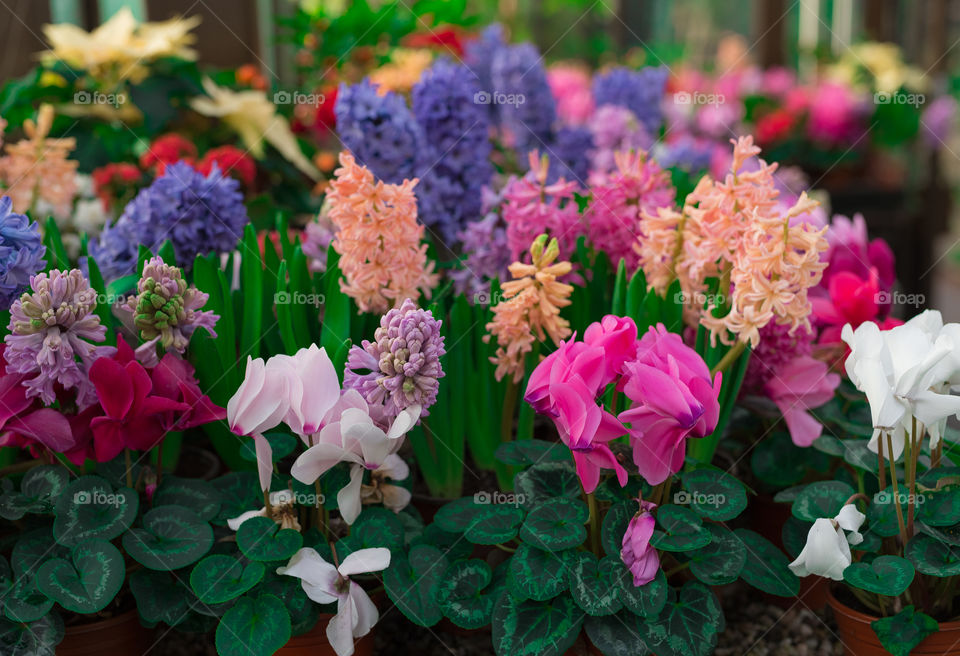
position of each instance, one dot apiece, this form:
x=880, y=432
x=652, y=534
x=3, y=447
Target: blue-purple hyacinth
x=484, y=242
x=21, y=252
x=52, y=328
x=570, y=154
x=401, y=367
x=639, y=91
x=479, y=55
x=198, y=213
x=445, y=107
x=523, y=98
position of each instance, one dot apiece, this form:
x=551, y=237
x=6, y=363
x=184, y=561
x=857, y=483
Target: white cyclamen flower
x=827, y=551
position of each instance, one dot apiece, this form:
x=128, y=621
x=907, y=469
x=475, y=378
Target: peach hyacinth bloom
x=530, y=308
x=38, y=167
x=733, y=231
x=378, y=238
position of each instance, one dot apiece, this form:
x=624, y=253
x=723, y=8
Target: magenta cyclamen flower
x=673, y=399
x=617, y=336
x=637, y=554
x=402, y=363
x=51, y=330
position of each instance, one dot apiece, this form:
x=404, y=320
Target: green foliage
x=261, y=539
x=904, y=631
x=766, y=566
x=412, y=583
x=87, y=581
x=467, y=592
x=89, y=508
x=253, y=627
x=172, y=537
x=219, y=578
x=885, y=575
x=545, y=627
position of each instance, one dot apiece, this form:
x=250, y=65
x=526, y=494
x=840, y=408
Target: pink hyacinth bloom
x=673, y=399
x=641, y=559
x=570, y=86
x=803, y=384
x=834, y=114
x=617, y=336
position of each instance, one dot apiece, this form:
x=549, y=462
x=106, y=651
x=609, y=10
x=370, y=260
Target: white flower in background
x=326, y=584
x=906, y=373
x=89, y=216
x=282, y=511
x=827, y=551
x=84, y=184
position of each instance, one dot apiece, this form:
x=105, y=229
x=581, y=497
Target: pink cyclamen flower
x=641, y=559
x=851, y=250
x=803, y=384
x=617, y=336
x=673, y=399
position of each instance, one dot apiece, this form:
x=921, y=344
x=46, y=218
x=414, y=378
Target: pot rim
x=858, y=616
x=99, y=625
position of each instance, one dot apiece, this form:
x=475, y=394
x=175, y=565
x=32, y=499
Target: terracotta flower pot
x=118, y=635
x=315, y=643
x=859, y=638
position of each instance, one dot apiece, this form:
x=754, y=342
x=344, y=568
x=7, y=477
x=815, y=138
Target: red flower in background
x=448, y=39
x=249, y=75
x=231, y=161
x=114, y=180
x=775, y=126
x=167, y=149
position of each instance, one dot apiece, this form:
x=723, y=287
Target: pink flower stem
x=594, y=524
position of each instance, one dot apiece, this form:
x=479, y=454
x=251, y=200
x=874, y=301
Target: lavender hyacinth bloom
x=938, y=119
x=443, y=103
x=479, y=55
x=199, y=214
x=21, y=252
x=571, y=154
x=485, y=244
x=615, y=129
x=51, y=327
x=402, y=364
x=639, y=91
x=525, y=105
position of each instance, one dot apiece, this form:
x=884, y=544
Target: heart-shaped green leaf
x=261, y=538
x=289, y=589
x=615, y=523
x=712, y=494
x=645, y=600
x=947, y=534
x=535, y=628
x=537, y=574
x=465, y=593
x=546, y=481
x=411, y=583
x=904, y=631
x=495, y=525
x=617, y=635
x=32, y=549
x=460, y=514
x=688, y=624
x=593, y=583
x=21, y=601
x=777, y=461
x=219, y=578
x=886, y=575
x=931, y=557
x=521, y=453
x=940, y=508
x=375, y=527
x=239, y=492
x=39, y=491
x=882, y=513
x=172, y=537
x=682, y=530
x=766, y=566
x=89, y=508
x=822, y=499
x=88, y=581
x=160, y=597
x=556, y=524
x=253, y=627
x=721, y=561
x=196, y=494
x=38, y=638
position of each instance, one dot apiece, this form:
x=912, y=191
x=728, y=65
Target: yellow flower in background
x=255, y=119
x=120, y=48
x=883, y=62
x=403, y=71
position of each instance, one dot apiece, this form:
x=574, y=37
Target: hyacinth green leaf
x=721, y=561
x=615, y=525
x=160, y=597
x=714, y=494
x=251, y=279
x=253, y=627
x=766, y=566
x=556, y=524
x=284, y=303
x=904, y=631
x=22, y=601
x=38, y=638
x=262, y=539
x=467, y=592
x=194, y=493
x=537, y=574
x=618, y=306
x=97, y=284
x=822, y=499
x=88, y=581
x=522, y=453
x=220, y=578
x=885, y=575
x=39, y=492
x=932, y=557
x=56, y=254
x=496, y=524
x=335, y=333
x=617, y=635
x=547, y=480
x=593, y=583
x=680, y=530
x=167, y=253
x=306, y=316
x=90, y=508
x=172, y=537
x=688, y=625
x=535, y=628
x=412, y=581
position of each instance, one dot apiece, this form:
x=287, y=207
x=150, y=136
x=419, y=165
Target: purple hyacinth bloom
x=688, y=153
x=21, y=252
x=316, y=243
x=51, y=330
x=938, y=120
x=485, y=245
x=615, y=128
x=523, y=98
x=639, y=91
x=458, y=127
x=479, y=55
x=570, y=154
x=401, y=367
x=198, y=213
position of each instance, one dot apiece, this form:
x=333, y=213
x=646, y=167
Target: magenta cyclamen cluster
x=52, y=328
x=669, y=386
x=402, y=364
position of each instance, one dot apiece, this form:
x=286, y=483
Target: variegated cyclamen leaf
x=535, y=628
x=219, y=578
x=593, y=583
x=904, y=631
x=194, y=493
x=766, y=566
x=172, y=537
x=239, y=492
x=458, y=515
x=617, y=635
x=932, y=557
x=682, y=530
x=289, y=589
x=940, y=508
x=261, y=538
x=411, y=583
x=688, y=624
x=89, y=508
x=39, y=491
x=160, y=597
x=721, y=561
x=88, y=581
x=821, y=499
x=21, y=601
x=714, y=494
x=645, y=600
x=38, y=638
x=32, y=549
x=497, y=524
x=615, y=525
x=463, y=594
x=545, y=481
x=556, y=524
x=885, y=575
x=538, y=574
x=254, y=626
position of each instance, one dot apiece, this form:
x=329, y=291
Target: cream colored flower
x=404, y=70
x=251, y=114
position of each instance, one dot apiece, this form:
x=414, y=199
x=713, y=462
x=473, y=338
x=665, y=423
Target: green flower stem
x=504, y=548
x=509, y=409
x=594, y=524
x=896, y=493
x=730, y=357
